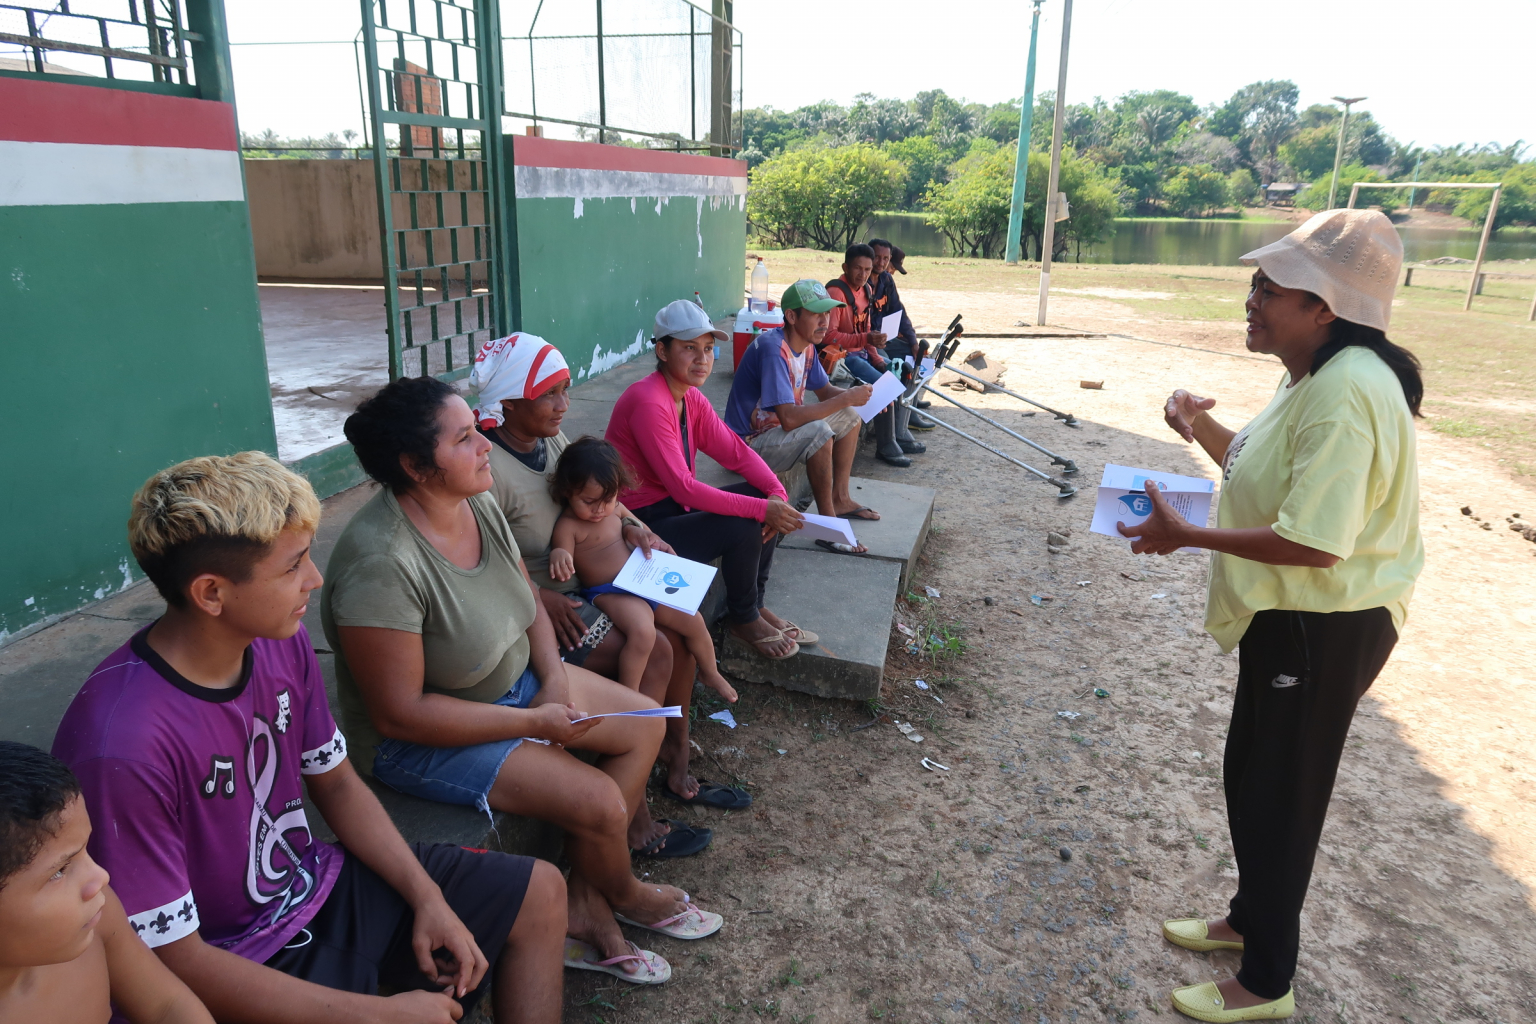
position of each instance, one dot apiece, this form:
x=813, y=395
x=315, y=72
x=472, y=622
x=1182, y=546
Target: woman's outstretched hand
x=1182, y=409
x=1161, y=533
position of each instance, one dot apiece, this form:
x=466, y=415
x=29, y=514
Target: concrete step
x=906, y=512
x=848, y=601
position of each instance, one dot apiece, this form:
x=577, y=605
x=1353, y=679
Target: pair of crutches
x=921, y=382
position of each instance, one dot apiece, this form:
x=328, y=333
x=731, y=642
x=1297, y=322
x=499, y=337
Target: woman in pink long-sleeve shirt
x=659, y=425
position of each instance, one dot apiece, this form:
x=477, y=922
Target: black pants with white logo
x=1300, y=675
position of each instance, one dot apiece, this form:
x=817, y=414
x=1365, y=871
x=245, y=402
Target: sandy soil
x=862, y=886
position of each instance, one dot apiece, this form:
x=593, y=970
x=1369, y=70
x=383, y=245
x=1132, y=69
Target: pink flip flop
x=582, y=956
x=692, y=923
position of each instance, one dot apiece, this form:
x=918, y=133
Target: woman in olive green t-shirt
x=1313, y=563
x=447, y=664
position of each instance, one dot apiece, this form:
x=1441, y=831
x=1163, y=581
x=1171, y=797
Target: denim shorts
x=454, y=775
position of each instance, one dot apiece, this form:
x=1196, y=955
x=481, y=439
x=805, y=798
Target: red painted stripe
x=38, y=111
x=531, y=151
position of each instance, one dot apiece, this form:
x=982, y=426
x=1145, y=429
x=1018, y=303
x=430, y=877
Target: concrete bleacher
x=848, y=600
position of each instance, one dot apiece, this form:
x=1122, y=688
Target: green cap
x=810, y=294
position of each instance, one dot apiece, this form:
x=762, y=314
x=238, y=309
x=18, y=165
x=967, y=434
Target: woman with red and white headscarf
x=521, y=384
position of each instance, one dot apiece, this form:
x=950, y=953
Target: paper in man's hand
x=887, y=389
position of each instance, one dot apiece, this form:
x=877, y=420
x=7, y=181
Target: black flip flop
x=854, y=514
x=684, y=840
x=712, y=794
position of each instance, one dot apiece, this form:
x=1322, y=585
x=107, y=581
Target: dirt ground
x=862, y=886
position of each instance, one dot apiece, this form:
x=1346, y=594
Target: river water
x=1210, y=242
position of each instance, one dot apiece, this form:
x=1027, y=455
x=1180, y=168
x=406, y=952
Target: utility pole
x=1021, y=162
x=1338, y=153
x=1051, y=195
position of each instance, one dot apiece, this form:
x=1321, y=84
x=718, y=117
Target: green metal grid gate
x=434, y=88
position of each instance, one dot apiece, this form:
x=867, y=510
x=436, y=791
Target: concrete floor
x=326, y=350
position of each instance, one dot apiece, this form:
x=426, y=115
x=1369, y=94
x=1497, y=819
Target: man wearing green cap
x=767, y=403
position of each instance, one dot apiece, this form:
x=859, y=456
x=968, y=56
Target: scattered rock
x=1466, y=510
x=1065, y=854
x=1487, y=526
x=1057, y=539
x=1080, y=789
x=970, y=712
x=987, y=601
x=1055, y=549
x=1091, y=385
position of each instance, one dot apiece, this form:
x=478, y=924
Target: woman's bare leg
x=675, y=751
x=633, y=616
x=659, y=684
x=696, y=635
x=593, y=804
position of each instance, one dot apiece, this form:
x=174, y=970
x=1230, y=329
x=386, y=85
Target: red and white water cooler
x=749, y=325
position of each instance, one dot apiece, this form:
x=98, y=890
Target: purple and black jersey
x=196, y=794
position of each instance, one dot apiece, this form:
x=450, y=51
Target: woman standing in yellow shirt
x=1315, y=554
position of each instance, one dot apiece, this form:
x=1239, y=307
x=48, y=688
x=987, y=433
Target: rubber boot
x=904, y=436
x=918, y=421
x=885, y=438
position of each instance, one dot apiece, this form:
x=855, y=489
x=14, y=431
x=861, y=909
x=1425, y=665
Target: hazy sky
x=1434, y=72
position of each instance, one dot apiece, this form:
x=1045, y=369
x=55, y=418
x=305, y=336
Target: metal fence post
x=1021, y=161
x=210, y=55
x=602, y=89
x=693, y=80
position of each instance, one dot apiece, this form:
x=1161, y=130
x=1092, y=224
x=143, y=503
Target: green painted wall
x=132, y=340
x=591, y=284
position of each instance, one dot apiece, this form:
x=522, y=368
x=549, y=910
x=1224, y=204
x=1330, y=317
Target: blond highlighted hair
x=215, y=514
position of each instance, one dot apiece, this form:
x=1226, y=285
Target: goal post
x=1482, y=244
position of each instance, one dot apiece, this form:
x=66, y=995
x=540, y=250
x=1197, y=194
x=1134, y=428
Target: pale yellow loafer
x=1204, y=1002
x=1193, y=933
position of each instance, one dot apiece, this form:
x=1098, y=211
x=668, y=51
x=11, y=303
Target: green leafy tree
x=971, y=209
x=819, y=195
x=925, y=165
x=1316, y=197
x=1310, y=151
x=1242, y=188
x=1196, y=191
x=1517, y=204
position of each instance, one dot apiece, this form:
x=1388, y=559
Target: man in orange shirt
x=850, y=335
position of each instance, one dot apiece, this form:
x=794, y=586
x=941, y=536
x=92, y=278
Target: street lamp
x=1338, y=154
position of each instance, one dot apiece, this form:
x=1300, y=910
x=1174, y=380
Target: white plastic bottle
x=760, y=287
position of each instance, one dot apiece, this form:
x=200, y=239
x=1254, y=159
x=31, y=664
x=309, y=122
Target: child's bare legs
x=696, y=636
x=633, y=617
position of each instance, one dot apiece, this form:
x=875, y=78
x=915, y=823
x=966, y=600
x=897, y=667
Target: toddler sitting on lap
x=589, y=542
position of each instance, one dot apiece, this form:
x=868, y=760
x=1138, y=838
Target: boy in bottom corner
x=197, y=744
x=66, y=949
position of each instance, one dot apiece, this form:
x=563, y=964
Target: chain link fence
x=128, y=40
x=661, y=73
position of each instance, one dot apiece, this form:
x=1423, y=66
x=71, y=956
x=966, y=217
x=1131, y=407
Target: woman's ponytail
x=1403, y=362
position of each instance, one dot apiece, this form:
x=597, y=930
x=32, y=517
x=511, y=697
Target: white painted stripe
x=176, y=920
x=76, y=174
x=580, y=183
x=324, y=757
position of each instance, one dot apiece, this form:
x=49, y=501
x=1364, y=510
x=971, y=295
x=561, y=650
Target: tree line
x=819, y=171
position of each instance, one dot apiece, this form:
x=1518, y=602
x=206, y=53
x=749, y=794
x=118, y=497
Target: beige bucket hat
x=1349, y=258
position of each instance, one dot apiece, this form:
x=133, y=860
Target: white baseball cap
x=1348, y=258
x=684, y=320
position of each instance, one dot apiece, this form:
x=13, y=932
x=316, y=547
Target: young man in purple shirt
x=767, y=403
x=196, y=744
